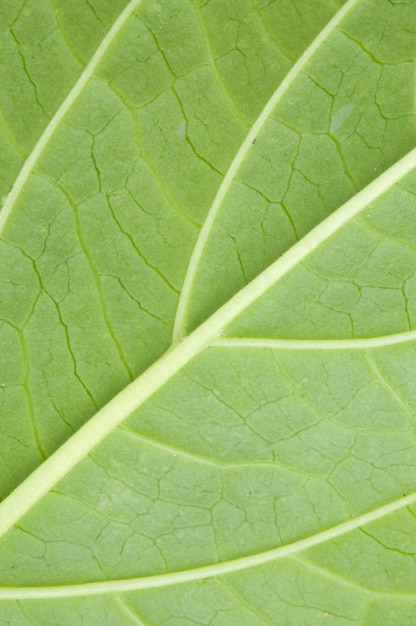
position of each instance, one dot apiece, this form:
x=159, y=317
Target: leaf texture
x=208, y=313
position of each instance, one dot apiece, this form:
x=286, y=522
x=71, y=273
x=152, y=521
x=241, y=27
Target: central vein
x=136, y=393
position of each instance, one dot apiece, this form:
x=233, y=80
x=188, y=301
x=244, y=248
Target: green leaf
x=208, y=313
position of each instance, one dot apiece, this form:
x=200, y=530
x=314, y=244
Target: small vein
x=160, y=49
x=386, y=547
x=372, y=227
x=90, y=5
x=272, y=34
x=71, y=352
x=239, y=259
x=188, y=139
x=177, y=452
x=26, y=360
x=323, y=571
x=136, y=301
x=363, y=48
x=217, y=76
x=242, y=601
x=29, y=397
x=146, y=159
x=95, y=276
x=279, y=202
x=407, y=304
x=137, y=249
x=175, y=93
x=343, y=160
x=11, y=137
x=389, y=386
x=64, y=34
x=26, y=71
x=127, y=610
x=290, y=220
x=159, y=179
x=94, y=162
x=346, y=582
x=174, y=451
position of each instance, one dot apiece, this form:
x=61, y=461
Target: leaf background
x=165, y=187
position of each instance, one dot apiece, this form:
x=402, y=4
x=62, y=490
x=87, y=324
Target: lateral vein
x=363, y=343
x=157, y=375
x=208, y=571
x=66, y=105
x=238, y=160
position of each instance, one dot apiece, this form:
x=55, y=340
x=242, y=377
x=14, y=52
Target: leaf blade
x=246, y=440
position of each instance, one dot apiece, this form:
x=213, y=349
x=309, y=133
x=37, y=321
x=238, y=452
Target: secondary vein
x=363, y=343
x=47, y=475
x=238, y=160
x=207, y=571
x=66, y=105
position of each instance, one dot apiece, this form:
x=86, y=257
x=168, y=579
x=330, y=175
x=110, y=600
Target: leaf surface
x=208, y=313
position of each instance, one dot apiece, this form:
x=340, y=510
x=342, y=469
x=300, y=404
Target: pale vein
x=365, y=343
x=237, y=162
x=73, y=95
x=47, y=475
x=208, y=571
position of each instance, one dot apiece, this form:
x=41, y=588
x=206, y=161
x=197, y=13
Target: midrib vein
x=157, y=375
x=66, y=105
x=228, y=179
x=207, y=571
